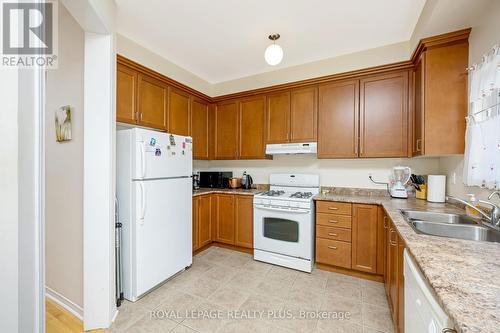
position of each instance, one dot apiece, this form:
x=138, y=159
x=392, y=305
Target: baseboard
x=345, y=271
x=64, y=302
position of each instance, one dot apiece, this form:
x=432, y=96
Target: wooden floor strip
x=59, y=320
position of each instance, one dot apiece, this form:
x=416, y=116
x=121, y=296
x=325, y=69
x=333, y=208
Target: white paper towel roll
x=436, y=188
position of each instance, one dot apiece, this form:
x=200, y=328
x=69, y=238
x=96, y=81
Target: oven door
x=283, y=231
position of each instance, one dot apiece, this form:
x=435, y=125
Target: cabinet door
x=304, y=114
x=393, y=272
x=387, y=275
x=126, y=91
x=179, y=112
x=204, y=220
x=225, y=218
x=401, y=285
x=364, y=238
x=152, y=102
x=226, y=130
x=195, y=223
x=278, y=118
x=418, y=107
x=252, y=113
x=244, y=221
x=384, y=116
x=381, y=240
x=338, y=124
x=200, y=129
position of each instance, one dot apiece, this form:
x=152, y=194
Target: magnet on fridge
x=183, y=152
x=152, y=142
x=158, y=152
x=184, y=145
x=168, y=148
x=172, y=140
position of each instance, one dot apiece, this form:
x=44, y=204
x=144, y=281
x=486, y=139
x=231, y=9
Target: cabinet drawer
x=332, y=252
x=333, y=233
x=333, y=207
x=333, y=220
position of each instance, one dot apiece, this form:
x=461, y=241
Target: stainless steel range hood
x=292, y=148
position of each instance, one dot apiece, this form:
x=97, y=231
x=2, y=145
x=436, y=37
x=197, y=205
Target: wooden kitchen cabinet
x=126, y=91
x=200, y=129
x=338, y=119
x=152, y=102
x=204, y=220
x=251, y=119
x=226, y=130
x=304, y=114
x=440, y=99
x=384, y=115
x=179, y=112
x=244, y=221
x=292, y=116
x=364, y=238
x=401, y=286
x=278, y=117
x=195, y=217
x=381, y=240
x=225, y=214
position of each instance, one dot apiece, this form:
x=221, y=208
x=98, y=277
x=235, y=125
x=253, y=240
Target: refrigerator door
x=160, y=155
x=163, y=232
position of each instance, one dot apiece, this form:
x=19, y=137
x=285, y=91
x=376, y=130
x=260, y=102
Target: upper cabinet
x=179, y=115
x=291, y=116
x=200, y=129
x=383, y=117
x=126, y=91
x=152, y=102
x=226, y=130
x=338, y=121
x=304, y=114
x=252, y=113
x=278, y=117
x=440, y=99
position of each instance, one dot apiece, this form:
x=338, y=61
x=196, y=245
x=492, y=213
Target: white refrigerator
x=154, y=191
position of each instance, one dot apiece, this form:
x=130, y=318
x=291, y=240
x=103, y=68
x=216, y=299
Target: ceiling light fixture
x=274, y=52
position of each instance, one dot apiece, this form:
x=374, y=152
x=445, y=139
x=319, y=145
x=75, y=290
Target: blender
x=400, y=176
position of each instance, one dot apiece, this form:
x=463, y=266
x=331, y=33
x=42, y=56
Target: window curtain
x=482, y=138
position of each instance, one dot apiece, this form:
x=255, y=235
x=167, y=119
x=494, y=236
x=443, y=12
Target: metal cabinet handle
x=385, y=222
x=391, y=241
x=333, y=208
x=419, y=145
x=448, y=330
x=332, y=247
x=332, y=234
x=333, y=221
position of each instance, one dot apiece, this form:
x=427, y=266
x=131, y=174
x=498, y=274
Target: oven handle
x=288, y=210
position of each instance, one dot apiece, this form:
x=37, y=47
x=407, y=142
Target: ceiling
x=223, y=40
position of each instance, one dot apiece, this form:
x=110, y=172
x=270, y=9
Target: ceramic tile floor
x=223, y=286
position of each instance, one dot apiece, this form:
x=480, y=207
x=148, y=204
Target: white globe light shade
x=273, y=54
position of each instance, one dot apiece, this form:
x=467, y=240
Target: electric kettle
x=246, y=181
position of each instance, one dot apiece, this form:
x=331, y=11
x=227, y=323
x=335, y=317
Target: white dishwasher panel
x=423, y=314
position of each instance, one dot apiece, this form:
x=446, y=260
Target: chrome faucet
x=493, y=218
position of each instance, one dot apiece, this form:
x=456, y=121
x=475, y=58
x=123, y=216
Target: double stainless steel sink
x=451, y=225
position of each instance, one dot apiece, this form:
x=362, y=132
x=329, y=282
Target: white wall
x=132, y=50
x=64, y=168
x=485, y=33
x=9, y=201
x=338, y=173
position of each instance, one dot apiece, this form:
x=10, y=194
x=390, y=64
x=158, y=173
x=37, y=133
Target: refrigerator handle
x=143, y=203
x=143, y=158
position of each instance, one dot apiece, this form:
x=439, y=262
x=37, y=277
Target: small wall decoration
x=63, y=123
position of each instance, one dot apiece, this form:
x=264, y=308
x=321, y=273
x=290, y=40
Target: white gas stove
x=284, y=221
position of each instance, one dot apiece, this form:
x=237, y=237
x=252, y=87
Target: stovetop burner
x=273, y=193
x=301, y=195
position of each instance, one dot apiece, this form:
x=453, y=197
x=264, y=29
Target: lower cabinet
x=394, y=279
x=362, y=238
x=223, y=218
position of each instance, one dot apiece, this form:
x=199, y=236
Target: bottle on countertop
x=244, y=179
x=473, y=201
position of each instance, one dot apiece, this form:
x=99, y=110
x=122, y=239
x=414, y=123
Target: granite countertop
x=464, y=274
x=202, y=191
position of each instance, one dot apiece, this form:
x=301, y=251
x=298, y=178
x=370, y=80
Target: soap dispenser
x=474, y=202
